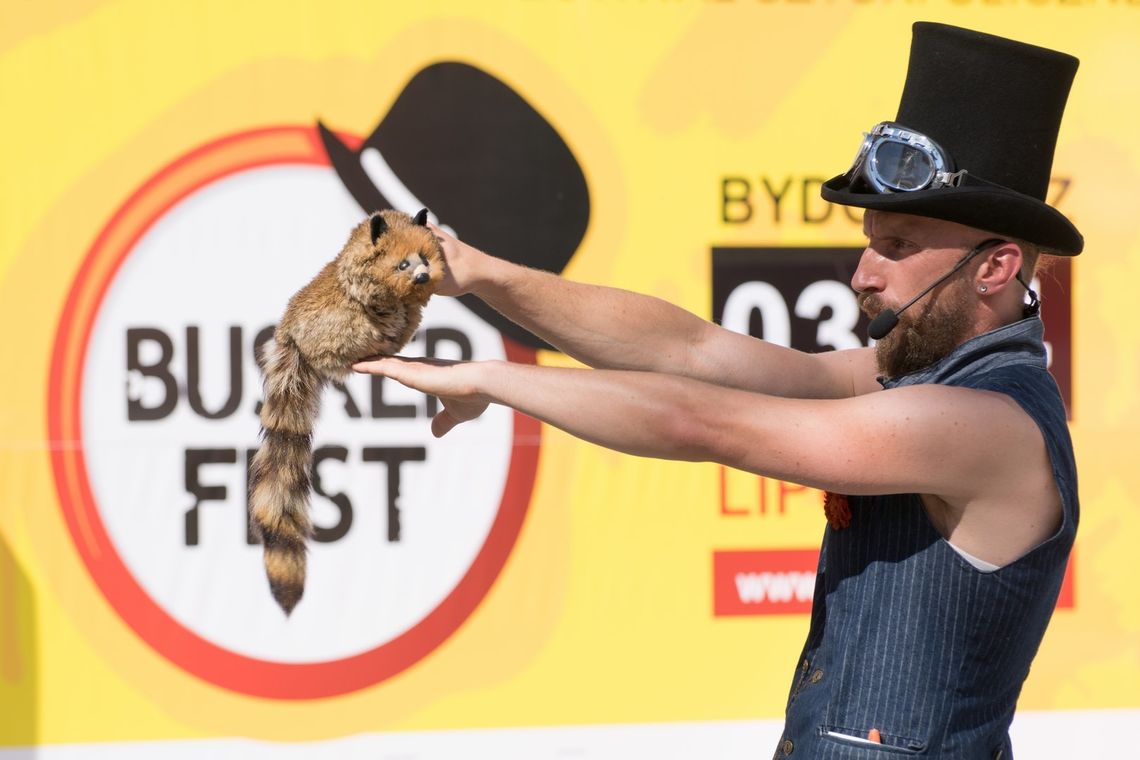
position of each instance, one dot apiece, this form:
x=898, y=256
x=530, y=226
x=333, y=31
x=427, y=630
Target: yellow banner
x=172, y=173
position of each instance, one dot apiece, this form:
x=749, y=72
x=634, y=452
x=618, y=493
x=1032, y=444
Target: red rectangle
x=1065, y=600
x=781, y=582
x=776, y=582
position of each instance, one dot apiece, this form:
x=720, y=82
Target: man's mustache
x=870, y=304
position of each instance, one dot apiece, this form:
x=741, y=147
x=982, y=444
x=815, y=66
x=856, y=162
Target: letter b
x=160, y=369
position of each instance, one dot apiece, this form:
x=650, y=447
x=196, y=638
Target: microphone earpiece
x=1033, y=308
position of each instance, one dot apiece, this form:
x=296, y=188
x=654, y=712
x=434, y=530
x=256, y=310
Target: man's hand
x=452, y=382
x=461, y=261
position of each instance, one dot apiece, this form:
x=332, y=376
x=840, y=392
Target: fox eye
x=403, y=265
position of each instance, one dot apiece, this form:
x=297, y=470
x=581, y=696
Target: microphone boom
x=887, y=319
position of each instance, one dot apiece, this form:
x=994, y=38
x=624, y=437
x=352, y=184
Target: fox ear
x=378, y=227
x=421, y=217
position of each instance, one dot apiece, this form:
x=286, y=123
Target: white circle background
x=231, y=254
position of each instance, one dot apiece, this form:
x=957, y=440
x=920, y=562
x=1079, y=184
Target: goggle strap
x=948, y=179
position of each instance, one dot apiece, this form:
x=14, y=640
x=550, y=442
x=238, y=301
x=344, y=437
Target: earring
x=982, y=288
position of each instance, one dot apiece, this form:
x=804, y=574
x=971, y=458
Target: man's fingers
x=393, y=365
x=442, y=423
x=373, y=366
x=433, y=376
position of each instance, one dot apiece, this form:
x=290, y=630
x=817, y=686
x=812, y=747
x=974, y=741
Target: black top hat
x=994, y=105
x=464, y=144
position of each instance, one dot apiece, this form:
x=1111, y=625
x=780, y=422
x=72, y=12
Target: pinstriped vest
x=906, y=636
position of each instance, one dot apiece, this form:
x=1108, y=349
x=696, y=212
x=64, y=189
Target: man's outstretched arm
x=925, y=439
x=611, y=328
x=976, y=456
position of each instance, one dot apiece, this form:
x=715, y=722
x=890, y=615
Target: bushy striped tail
x=279, y=475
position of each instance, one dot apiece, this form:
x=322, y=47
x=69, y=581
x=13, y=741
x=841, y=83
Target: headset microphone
x=882, y=325
x=888, y=318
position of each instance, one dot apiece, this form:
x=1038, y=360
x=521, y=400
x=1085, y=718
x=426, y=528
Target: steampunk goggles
x=894, y=159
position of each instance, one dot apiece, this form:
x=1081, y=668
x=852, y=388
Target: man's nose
x=868, y=275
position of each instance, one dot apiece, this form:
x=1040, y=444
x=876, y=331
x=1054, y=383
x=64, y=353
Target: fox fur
x=365, y=302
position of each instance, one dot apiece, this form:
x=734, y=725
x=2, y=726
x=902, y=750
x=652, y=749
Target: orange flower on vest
x=837, y=510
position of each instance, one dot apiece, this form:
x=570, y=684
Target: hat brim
x=982, y=205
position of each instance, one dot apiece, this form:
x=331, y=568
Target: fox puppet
x=366, y=302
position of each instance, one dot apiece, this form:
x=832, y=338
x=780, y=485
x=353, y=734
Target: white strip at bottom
x=1036, y=736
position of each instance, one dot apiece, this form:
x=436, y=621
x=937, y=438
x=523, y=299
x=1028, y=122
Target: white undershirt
x=979, y=564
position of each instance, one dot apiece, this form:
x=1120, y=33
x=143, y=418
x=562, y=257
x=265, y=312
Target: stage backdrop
x=174, y=172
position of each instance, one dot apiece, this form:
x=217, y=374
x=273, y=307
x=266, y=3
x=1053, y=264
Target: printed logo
x=154, y=383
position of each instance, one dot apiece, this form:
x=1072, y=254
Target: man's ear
x=1000, y=266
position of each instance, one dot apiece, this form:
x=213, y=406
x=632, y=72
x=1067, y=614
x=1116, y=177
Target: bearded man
x=952, y=494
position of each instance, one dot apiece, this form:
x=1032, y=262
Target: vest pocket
x=891, y=744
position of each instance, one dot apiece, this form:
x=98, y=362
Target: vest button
x=805, y=666
x=788, y=747
x=817, y=676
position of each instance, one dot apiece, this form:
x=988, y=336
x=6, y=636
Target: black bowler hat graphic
x=489, y=166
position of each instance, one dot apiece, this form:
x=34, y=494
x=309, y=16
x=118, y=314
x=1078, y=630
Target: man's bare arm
x=611, y=328
x=976, y=453
x=942, y=440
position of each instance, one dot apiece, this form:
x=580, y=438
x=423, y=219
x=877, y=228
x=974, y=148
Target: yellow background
x=603, y=612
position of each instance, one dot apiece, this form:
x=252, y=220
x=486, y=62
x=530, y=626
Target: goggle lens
x=902, y=167
x=895, y=159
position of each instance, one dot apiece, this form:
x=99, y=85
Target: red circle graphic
x=190, y=651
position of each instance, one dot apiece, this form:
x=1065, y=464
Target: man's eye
x=403, y=265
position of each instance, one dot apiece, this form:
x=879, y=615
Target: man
x=952, y=488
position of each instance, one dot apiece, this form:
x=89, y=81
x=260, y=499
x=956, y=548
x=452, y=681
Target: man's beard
x=919, y=340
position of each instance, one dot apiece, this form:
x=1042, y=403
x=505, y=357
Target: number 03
x=837, y=331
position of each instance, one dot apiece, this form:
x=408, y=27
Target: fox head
x=392, y=257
